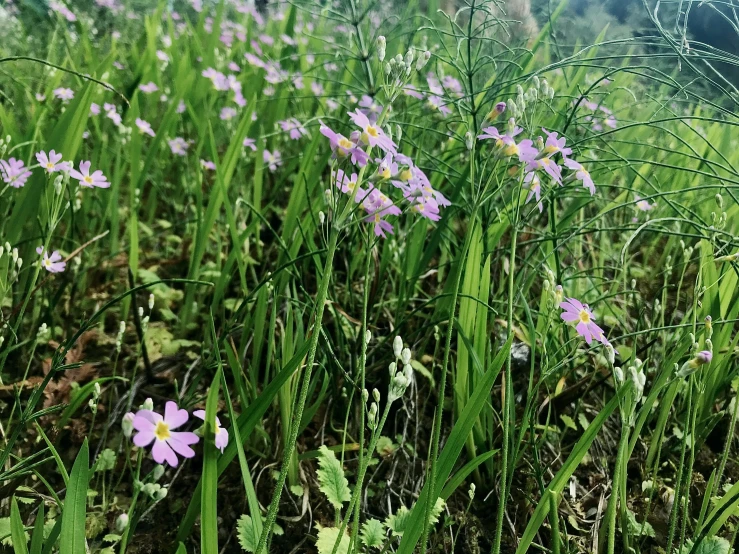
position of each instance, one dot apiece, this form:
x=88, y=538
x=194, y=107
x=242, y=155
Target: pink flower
x=178, y=146
x=579, y=313
x=581, y=174
x=144, y=127
x=410, y=90
x=14, y=172
x=180, y=107
x=149, y=87
x=97, y=179
x=207, y=164
x=293, y=127
x=94, y=109
x=51, y=161
x=53, y=263
x=343, y=147
x=532, y=182
x=549, y=166
x=250, y=143
x=63, y=94
x=221, y=433
x=348, y=185
x=272, y=159
x=643, y=205
x=554, y=145
x=152, y=427
x=40, y=97
x=378, y=206
x=371, y=134
x=228, y=113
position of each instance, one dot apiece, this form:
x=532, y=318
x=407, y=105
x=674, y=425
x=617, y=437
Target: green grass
x=263, y=294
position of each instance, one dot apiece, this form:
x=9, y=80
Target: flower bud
x=161, y=493
x=376, y=395
x=367, y=336
x=121, y=522
x=719, y=201
x=148, y=404
x=388, y=69
x=422, y=60
x=365, y=395
x=127, y=424
x=409, y=57
x=405, y=355
x=397, y=346
x=157, y=473
x=469, y=141
x=381, y=45
x=151, y=302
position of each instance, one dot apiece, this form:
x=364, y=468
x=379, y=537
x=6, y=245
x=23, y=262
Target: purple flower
x=40, y=97
x=178, y=146
x=272, y=159
x=250, y=143
x=207, y=164
x=94, y=109
x=370, y=108
x=378, y=206
x=14, y=172
x=348, y=185
x=703, y=357
x=342, y=146
x=579, y=313
x=410, y=90
x=293, y=127
x=554, y=145
x=643, y=205
x=233, y=66
x=221, y=433
x=180, y=107
x=63, y=94
x=97, y=179
x=53, y=263
x=152, y=427
x=228, y=113
x=144, y=127
x=149, y=87
x=372, y=134
x=532, y=182
x=50, y=162
x=500, y=107
x=549, y=166
x=581, y=174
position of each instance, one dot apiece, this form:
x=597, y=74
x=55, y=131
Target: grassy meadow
x=360, y=276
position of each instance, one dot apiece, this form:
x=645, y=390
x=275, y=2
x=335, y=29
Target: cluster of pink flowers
x=15, y=173
x=600, y=115
x=159, y=431
x=393, y=168
x=293, y=128
x=537, y=159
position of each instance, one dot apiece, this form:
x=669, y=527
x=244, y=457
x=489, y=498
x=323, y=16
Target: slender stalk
x=612, y=509
x=303, y=395
x=727, y=448
x=678, y=486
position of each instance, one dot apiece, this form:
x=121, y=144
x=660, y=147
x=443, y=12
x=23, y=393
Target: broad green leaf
x=327, y=538
x=17, y=532
x=331, y=478
x=72, y=538
x=247, y=534
x=373, y=533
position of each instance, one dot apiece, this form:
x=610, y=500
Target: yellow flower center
x=49, y=166
x=377, y=218
x=162, y=431
x=385, y=173
x=551, y=149
x=546, y=161
x=511, y=150
x=405, y=175
x=87, y=179
x=345, y=143
x=47, y=262
x=584, y=316
x=372, y=131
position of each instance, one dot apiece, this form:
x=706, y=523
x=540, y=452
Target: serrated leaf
x=247, y=535
x=327, y=538
x=436, y=511
x=709, y=545
x=397, y=522
x=105, y=461
x=639, y=529
x=568, y=421
x=373, y=533
x=331, y=478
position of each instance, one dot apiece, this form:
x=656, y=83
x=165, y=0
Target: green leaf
x=639, y=529
x=373, y=533
x=331, y=480
x=247, y=534
x=72, y=538
x=710, y=545
x=105, y=461
x=398, y=521
x=17, y=532
x=209, y=492
x=327, y=538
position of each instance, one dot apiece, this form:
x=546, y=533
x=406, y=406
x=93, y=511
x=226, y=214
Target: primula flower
x=180, y=107
x=178, y=146
x=532, y=182
x=53, y=263
x=63, y=94
x=579, y=313
x=581, y=174
x=554, y=145
x=14, y=172
x=643, y=205
x=207, y=164
x=372, y=134
x=144, y=127
x=250, y=143
x=40, y=97
x=370, y=107
x=272, y=159
x=228, y=113
x=507, y=146
x=221, y=433
x=94, y=109
x=348, y=185
x=410, y=90
x=97, y=179
x=343, y=147
x=50, y=162
x=152, y=427
x=293, y=127
x=548, y=165
x=378, y=206
x=149, y=87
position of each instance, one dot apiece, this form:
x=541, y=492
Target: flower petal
x=174, y=416
x=161, y=452
x=143, y=438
